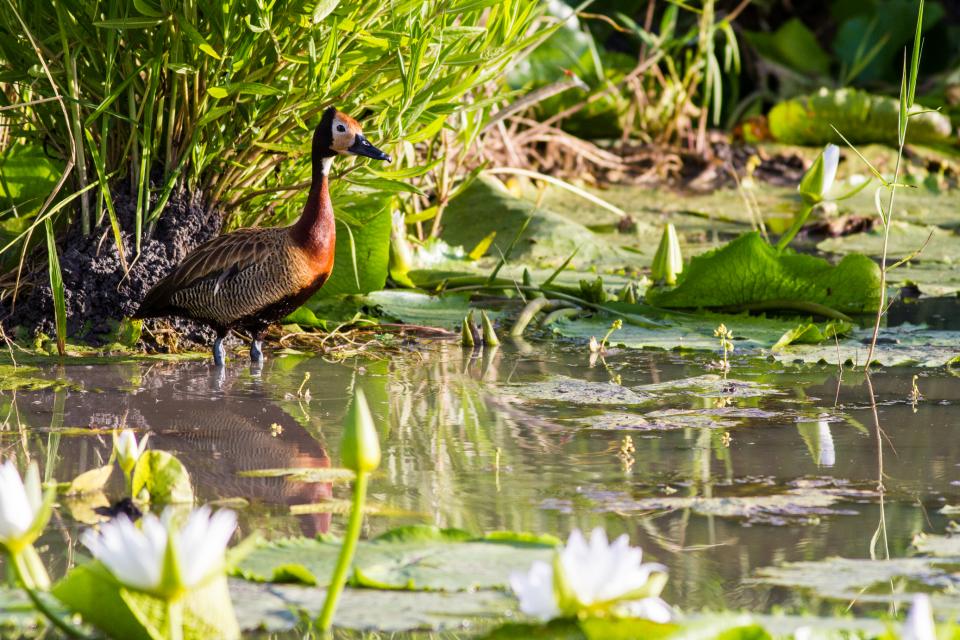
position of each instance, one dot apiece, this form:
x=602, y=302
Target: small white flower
x=919, y=624
x=598, y=575
x=831, y=158
x=136, y=556
x=128, y=451
x=21, y=504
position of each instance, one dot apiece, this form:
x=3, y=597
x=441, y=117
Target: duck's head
x=338, y=133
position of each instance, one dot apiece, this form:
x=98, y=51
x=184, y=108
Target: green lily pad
x=709, y=385
x=92, y=592
x=413, y=307
x=485, y=206
x=749, y=273
x=795, y=506
x=905, y=239
x=416, y=558
x=853, y=578
x=691, y=331
x=862, y=117
x=615, y=421
x=575, y=391
x=274, y=608
x=898, y=346
x=163, y=477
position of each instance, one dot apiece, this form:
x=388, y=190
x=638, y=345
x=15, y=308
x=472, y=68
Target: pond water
x=724, y=477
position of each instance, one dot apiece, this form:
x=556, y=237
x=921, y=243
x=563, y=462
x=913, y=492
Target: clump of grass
x=218, y=97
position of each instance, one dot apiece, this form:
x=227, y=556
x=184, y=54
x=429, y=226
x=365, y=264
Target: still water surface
x=468, y=444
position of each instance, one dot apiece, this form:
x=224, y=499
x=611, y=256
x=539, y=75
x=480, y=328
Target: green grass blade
x=56, y=286
x=915, y=59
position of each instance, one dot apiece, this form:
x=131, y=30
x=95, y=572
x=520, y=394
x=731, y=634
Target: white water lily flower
x=139, y=557
x=919, y=624
x=595, y=576
x=21, y=505
x=128, y=451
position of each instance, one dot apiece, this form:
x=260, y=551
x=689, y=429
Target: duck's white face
x=343, y=133
x=346, y=137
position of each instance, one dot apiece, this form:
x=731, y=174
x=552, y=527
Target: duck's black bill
x=362, y=147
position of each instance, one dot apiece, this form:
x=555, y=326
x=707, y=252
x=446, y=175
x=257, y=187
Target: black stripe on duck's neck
x=315, y=227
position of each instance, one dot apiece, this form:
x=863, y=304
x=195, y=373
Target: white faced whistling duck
x=251, y=278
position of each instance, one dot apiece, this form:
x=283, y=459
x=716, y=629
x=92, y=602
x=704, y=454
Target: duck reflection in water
x=217, y=428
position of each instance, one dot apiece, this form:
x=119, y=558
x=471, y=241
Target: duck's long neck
x=315, y=229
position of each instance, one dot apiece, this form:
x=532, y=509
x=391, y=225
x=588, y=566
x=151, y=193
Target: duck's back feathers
x=247, y=277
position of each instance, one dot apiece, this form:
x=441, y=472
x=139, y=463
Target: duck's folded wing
x=209, y=267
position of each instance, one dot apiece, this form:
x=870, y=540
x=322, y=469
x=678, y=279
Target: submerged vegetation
x=762, y=195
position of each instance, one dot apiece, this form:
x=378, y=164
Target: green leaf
x=27, y=176
x=272, y=608
x=323, y=9
x=361, y=267
x=413, y=307
x=794, y=46
x=748, y=273
x=91, y=591
x=414, y=558
x=129, y=23
x=861, y=116
x=90, y=481
x=163, y=477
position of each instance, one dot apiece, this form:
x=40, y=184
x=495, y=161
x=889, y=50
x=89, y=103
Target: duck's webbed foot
x=256, y=351
x=219, y=352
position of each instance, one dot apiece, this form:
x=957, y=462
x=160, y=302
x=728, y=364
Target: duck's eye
x=341, y=128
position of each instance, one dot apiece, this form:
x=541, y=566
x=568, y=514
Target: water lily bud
x=466, y=330
x=668, y=261
x=127, y=449
x=818, y=180
x=490, y=337
x=360, y=447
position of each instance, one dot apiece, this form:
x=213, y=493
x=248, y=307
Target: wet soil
x=98, y=292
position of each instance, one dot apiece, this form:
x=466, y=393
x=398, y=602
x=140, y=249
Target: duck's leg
x=218, y=351
x=256, y=351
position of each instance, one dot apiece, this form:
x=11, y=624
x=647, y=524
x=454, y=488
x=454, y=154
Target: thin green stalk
x=339, y=579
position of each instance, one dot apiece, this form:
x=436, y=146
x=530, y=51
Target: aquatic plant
x=24, y=512
x=159, y=557
x=360, y=450
x=919, y=624
x=726, y=344
x=593, y=578
x=668, y=260
x=128, y=452
x=907, y=109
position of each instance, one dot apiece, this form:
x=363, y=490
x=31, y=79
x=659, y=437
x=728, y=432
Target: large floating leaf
x=749, y=273
x=485, y=206
x=413, y=558
x=575, y=391
x=273, y=607
x=120, y=613
x=695, y=331
x=163, y=477
x=363, y=248
x=905, y=239
x=897, y=346
x=413, y=307
x=860, y=116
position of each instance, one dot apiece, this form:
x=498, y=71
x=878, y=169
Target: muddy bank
x=98, y=292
